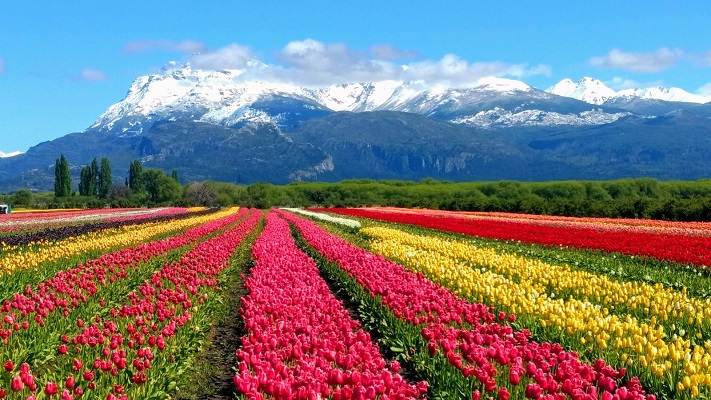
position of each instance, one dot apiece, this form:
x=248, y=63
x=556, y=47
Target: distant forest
x=626, y=198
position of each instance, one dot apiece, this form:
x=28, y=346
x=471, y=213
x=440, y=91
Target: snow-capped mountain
x=665, y=94
x=11, y=154
x=594, y=91
x=587, y=89
x=205, y=96
x=224, y=97
x=199, y=122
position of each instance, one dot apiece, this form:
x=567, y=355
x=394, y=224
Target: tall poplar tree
x=135, y=176
x=62, y=179
x=105, y=178
x=86, y=181
x=94, y=188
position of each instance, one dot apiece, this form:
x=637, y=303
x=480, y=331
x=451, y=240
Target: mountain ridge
x=222, y=97
x=495, y=129
x=594, y=91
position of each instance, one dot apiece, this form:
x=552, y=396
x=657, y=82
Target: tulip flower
x=51, y=388
x=16, y=384
x=8, y=365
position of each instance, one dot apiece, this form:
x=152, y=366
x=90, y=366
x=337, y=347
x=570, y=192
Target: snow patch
x=499, y=117
x=11, y=154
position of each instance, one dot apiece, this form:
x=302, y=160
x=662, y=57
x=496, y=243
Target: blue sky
x=64, y=63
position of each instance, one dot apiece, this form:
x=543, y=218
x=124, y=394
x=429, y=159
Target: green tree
x=174, y=175
x=85, y=181
x=105, y=178
x=22, y=198
x=135, y=178
x=94, y=183
x=161, y=188
x=62, y=179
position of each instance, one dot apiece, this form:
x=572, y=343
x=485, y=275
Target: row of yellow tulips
x=530, y=287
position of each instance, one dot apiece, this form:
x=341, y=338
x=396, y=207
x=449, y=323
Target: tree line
x=626, y=198
x=97, y=188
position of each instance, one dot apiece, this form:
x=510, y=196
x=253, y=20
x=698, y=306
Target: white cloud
x=233, y=56
x=2, y=65
x=453, y=71
x=90, y=75
x=619, y=83
x=310, y=62
x=185, y=46
x=655, y=61
x=313, y=63
x=704, y=90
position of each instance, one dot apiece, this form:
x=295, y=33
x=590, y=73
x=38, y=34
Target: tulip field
x=366, y=303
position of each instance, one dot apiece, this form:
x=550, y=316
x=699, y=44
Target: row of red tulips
x=473, y=339
x=112, y=355
x=650, y=223
x=603, y=224
x=677, y=248
x=300, y=341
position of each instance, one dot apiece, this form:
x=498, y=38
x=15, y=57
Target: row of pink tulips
x=72, y=287
x=129, y=340
x=470, y=336
x=301, y=343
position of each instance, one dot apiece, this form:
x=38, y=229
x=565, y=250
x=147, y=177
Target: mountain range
x=593, y=91
x=186, y=119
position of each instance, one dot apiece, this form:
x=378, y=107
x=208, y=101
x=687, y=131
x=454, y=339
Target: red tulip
x=51, y=388
x=9, y=366
x=533, y=391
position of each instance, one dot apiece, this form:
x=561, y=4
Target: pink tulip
x=300, y=337
x=16, y=384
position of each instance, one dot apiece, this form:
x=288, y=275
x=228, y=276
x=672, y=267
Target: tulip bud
x=9, y=366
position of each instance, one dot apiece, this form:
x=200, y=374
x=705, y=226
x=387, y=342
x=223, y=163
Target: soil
x=219, y=353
